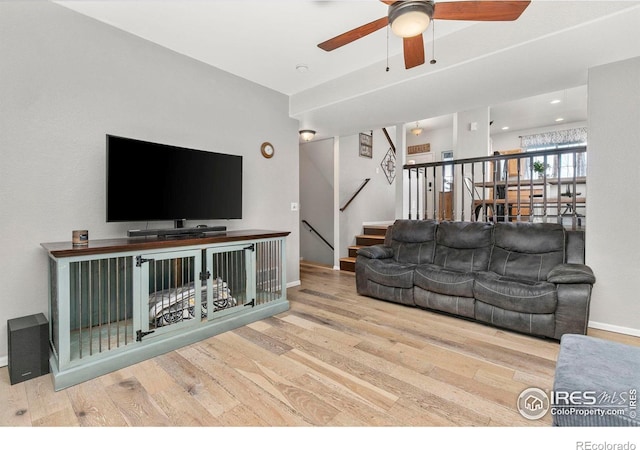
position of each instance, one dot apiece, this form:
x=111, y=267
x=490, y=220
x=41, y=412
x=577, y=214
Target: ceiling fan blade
x=413, y=51
x=352, y=35
x=480, y=10
x=388, y=2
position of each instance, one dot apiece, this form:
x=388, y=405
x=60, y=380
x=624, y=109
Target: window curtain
x=565, y=166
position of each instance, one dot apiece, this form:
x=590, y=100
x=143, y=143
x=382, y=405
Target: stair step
x=375, y=229
x=369, y=239
x=353, y=250
x=348, y=264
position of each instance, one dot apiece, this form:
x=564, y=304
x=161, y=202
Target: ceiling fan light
x=307, y=135
x=410, y=18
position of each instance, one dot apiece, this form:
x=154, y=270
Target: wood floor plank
x=93, y=407
x=15, y=404
x=261, y=406
x=135, y=405
x=192, y=379
x=334, y=359
x=181, y=410
x=45, y=405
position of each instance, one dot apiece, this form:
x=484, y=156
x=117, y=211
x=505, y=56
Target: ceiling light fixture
x=559, y=119
x=555, y=102
x=302, y=68
x=417, y=130
x=410, y=18
x=307, y=135
x=505, y=128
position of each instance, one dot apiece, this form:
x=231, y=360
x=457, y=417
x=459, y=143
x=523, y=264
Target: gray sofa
x=526, y=277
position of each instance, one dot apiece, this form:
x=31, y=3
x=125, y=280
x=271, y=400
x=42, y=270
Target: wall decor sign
x=366, y=145
x=423, y=148
x=388, y=165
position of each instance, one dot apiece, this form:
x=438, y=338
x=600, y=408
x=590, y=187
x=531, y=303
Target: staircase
x=371, y=235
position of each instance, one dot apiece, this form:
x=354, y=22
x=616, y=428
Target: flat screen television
x=148, y=181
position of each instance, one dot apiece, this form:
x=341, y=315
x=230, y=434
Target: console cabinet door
x=170, y=292
x=230, y=282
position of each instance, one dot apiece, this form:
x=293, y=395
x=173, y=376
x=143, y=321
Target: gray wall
x=320, y=167
x=316, y=200
x=376, y=202
x=67, y=80
x=613, y=244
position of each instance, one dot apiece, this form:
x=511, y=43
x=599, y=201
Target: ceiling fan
x=409, y=19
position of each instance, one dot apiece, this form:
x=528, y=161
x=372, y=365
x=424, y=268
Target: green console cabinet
x=116, y=302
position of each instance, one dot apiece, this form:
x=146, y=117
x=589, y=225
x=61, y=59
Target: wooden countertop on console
x=101, y=246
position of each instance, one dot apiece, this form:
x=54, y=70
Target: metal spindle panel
x=269, y=271
x=228, y=280
x=101, y=308
x=172, y=292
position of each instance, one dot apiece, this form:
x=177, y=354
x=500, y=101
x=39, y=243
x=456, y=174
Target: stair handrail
x=316, y=232
x=364, y=183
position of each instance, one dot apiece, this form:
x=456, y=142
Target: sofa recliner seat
x=526, y=277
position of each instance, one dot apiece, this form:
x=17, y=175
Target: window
x=566, y=165
x=448, y=171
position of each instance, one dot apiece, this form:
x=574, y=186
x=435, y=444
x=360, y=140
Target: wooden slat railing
x=502, y=188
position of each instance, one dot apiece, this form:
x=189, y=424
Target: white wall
x=613, y=243
x=376, y=202
x=439, y=139
x=316, y=200
x=510, y=140
x=471, y=140
x=66, y=81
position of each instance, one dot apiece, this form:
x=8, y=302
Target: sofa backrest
x=413, y=241
x=575, y=247
x=527, y=250
x=464, y=246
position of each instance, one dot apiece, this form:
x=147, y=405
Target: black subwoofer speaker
x=28, y=347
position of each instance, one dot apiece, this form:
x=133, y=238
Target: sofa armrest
x=571, y=274
x=376, y=252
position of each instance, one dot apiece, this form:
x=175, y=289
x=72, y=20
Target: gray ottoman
x=596, y=383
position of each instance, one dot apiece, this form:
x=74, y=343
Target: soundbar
x=170, y=232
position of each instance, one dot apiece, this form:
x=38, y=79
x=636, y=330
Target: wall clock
x=267, y=150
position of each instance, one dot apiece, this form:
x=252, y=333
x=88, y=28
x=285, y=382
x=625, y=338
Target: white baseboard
x=293, y=284
x=614, y=328
x=4, y=361
x=336, y=267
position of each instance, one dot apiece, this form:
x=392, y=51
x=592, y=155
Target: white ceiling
x=545, y=53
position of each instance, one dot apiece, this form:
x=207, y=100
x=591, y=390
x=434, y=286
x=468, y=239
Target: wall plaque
x=423, y=148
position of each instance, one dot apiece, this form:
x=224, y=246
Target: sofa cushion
x=390, y=273
x=535, y=324
x=525, y=296
x=378, y=251
x=463, y=246
x=526, y=250
x=460, y=306
x=390, y=293
x=413, y=241
x=444, y=281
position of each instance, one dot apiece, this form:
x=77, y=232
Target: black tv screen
x=147, y=181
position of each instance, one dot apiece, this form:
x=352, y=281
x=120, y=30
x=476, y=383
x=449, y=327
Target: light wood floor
x=334, y=359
